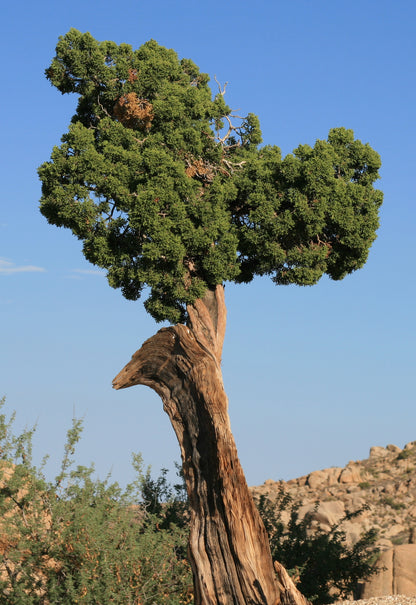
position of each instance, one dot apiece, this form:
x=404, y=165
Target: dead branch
x=222, y=91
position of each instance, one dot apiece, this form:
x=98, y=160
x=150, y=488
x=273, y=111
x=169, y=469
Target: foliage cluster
x=170, y=191
x=80, y=540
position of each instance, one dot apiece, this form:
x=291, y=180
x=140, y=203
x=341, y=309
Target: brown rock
x=327, y=513
x=350, y=474
x=394, y=530
x=404, y=566
x=269, y=482
x=327, y=477
x=397, y=573
x=316, y=479
x=378, y=452
x=393, y=448
x=382, y=583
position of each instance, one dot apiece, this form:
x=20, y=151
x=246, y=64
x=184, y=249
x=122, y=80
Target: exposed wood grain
x=228, y=545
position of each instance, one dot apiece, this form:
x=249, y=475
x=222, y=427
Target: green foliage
x=324, y=567
x=390, y=501
x=169, y=191
x=79, y=540
x=169, y=504
x=404, y=454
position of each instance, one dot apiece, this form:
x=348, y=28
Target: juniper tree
x=173, y=195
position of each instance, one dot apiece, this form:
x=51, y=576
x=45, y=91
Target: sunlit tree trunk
x=228, y=545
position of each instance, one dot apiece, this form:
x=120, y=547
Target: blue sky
x=315, y=376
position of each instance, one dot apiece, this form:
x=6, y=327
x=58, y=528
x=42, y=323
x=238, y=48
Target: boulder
x=329, y=476
x=393, y=448
x=378, y=452
x=326, y=514
x=316, y=479
x=397, y=573
x=350, y=474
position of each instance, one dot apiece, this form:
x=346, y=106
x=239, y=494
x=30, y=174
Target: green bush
x=389, y=501
x=324, y=567
x=404, y=454
x=79, y=540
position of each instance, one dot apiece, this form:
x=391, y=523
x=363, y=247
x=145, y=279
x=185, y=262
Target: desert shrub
x=390, y=501
x=80, y=540
x=404, y=454
x=324, y=567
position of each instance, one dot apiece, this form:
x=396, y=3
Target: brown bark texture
x=228, y=545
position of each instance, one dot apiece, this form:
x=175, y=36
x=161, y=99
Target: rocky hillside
x=385, y=483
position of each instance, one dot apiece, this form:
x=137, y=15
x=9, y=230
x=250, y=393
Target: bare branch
x=229, y=131
x=222, y=91
x=232, y=165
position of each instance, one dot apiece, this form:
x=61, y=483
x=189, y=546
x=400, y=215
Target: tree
x=171, y=192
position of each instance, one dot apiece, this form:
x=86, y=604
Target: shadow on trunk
x=228, y=545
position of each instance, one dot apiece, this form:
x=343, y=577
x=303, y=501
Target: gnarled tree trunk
x=228, y=544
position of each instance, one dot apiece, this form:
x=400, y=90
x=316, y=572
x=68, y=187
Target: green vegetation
x=390, y=501
x=80, y=540
x=324, y=567
x=398, y=540
x=168, y=189
x=405, y=454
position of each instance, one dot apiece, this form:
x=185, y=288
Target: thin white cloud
x=88, y=271
x=9, y=268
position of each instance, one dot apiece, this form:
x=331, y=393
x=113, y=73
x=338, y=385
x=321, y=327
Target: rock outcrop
x=385, y=485
x=397, y=573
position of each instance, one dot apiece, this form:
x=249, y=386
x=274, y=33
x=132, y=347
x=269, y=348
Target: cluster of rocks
x=384, y=486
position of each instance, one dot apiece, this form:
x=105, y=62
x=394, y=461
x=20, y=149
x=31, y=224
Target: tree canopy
x=172, y=193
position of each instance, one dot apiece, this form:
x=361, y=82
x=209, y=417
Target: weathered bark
x=228, y=544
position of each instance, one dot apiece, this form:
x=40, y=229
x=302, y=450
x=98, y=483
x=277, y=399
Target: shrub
x=79, y=540
x=322, y=564
x=389, y=501
x=404, y=454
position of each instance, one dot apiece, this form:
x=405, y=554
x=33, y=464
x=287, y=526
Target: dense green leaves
x=314, y=212
x=169, y=191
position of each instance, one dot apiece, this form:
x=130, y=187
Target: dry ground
x=390, y=600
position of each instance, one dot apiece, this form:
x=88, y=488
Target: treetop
x=171, y=192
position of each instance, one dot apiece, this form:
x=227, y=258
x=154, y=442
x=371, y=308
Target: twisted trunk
x=228, y=545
